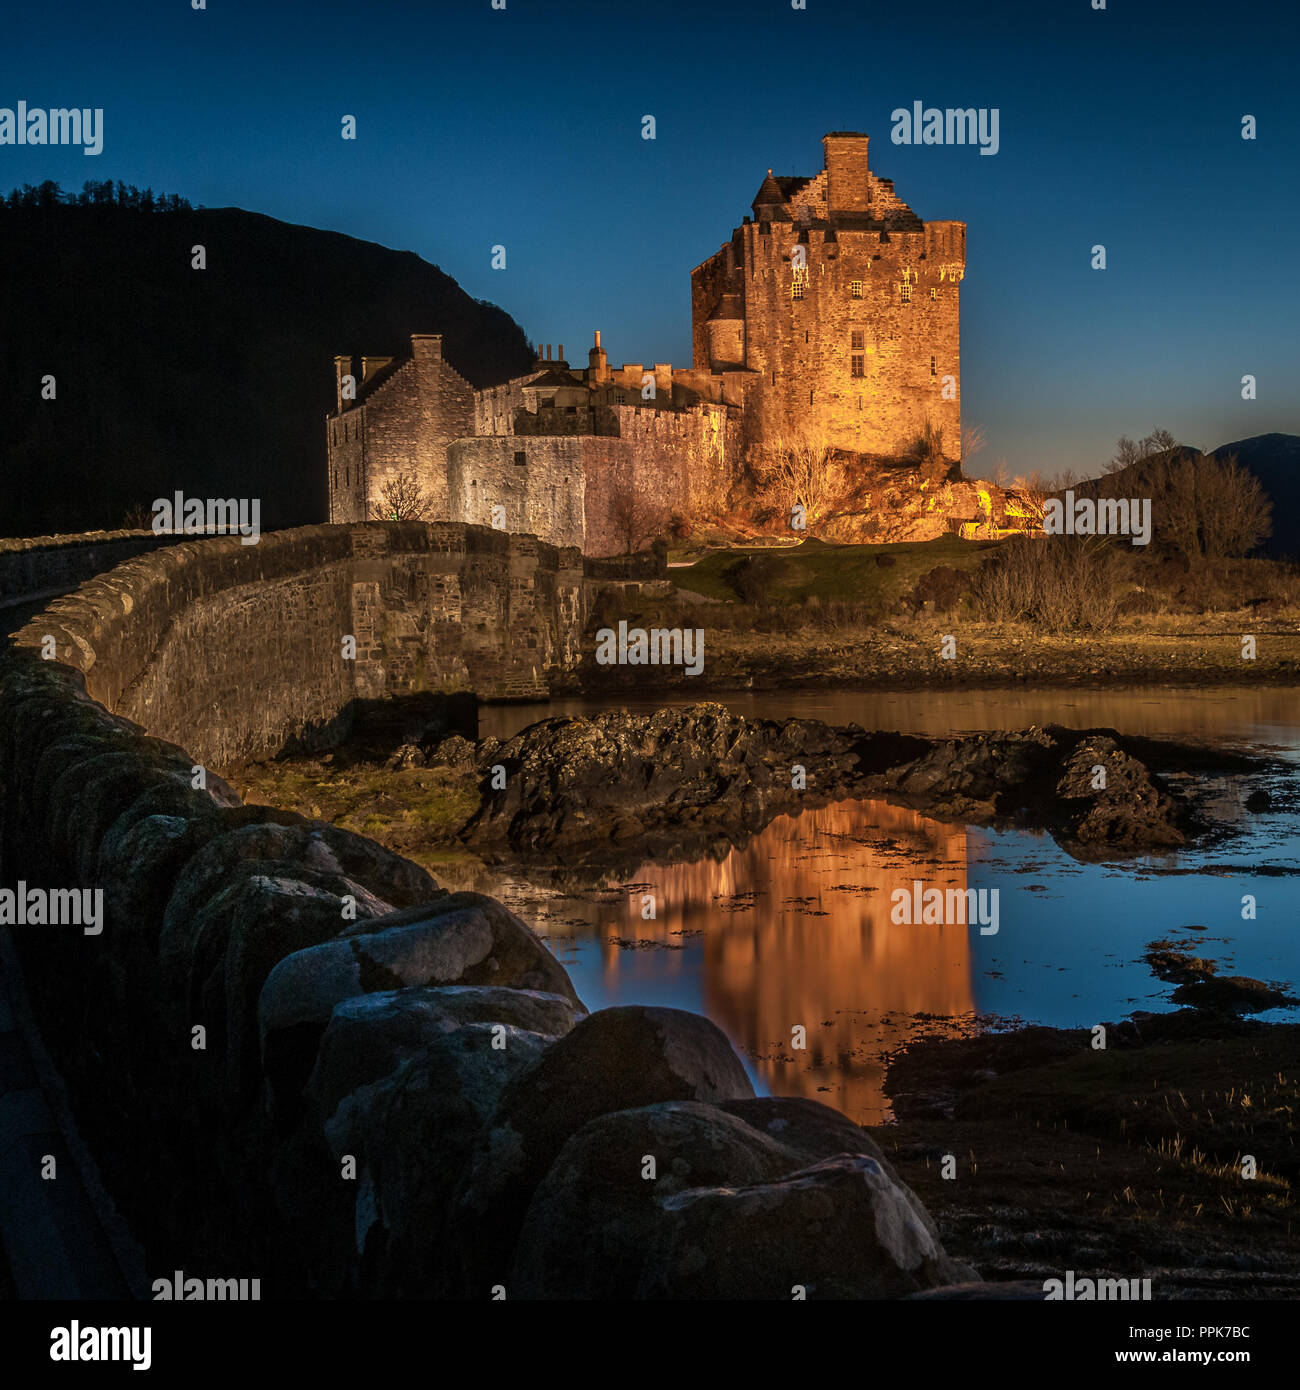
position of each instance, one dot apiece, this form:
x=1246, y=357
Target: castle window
x=855, y=289
x=859, y=364
x=810, y=400
x=905, y=291
x=857, y=340
x=347, y=477
x=521, y=459
x=934, y=367
x=934, y=294
x=620, y=398
x=797, y=286
x=805, y=335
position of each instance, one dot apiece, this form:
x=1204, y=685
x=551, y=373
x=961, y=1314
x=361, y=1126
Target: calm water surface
x=794, y=928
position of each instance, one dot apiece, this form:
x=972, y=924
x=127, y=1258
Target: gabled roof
x=556, y=376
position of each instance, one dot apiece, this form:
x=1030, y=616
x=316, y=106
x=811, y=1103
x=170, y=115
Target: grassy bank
x=872, y=616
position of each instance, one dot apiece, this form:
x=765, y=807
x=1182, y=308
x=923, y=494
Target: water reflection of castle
x=796, y=930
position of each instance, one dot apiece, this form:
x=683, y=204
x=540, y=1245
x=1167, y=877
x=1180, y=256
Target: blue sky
x=522, y=127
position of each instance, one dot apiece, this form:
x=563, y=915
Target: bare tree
x=1209, y=508
x=402, y=499
x=797, y=467
x=1027, y=497
x=973, y=439
x=1130, y=452
x=1236, y=512
x=634, y=518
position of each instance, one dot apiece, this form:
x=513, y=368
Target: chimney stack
x=597, y=368
x=847, y=175
x=426, y=347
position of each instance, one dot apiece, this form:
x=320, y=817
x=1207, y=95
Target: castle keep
x=831, y=314
x=843, y=304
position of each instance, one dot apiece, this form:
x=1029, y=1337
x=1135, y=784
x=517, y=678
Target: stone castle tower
x=843, y=303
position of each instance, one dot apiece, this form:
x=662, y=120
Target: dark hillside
x=212, y=381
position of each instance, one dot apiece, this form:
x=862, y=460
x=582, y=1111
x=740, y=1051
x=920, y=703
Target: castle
x=831, y=314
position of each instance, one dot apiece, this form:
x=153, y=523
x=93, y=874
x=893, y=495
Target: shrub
x=943, y=586
x=754, y=578
x=1057, y=583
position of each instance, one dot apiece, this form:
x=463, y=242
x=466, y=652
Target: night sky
x=523, y=127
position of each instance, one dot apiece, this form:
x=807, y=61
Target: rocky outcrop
x=618, y=777
x=679, y=775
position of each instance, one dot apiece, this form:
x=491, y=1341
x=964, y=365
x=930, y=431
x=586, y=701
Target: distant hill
x=216, y=381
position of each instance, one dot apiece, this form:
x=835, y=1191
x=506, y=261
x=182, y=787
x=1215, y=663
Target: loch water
x=794, y=929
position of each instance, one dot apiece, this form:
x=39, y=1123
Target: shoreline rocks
x=651, y=782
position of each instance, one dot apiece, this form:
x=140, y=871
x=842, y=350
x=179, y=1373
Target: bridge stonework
x=238, y=652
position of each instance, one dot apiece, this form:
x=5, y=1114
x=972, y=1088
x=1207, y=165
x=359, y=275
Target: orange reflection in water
x=795, y=930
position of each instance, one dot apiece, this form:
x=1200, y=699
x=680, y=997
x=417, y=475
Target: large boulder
x=842, y=1228
x=595, y=1213
x=617, y=1059
x=459, y=939
x=368, y=1037
x=217, y=961
x=356, y=879
x=412, y=1132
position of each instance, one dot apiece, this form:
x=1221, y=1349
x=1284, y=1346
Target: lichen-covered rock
x=369, y=1036
x=594, y=1214
x=217, y=958
x=842, y=1228
x=412, y=1132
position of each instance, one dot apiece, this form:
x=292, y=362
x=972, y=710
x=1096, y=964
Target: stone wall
x=539, y=481
x=238, y=651
x=37, y=564
x=569, y=489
